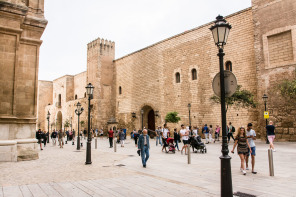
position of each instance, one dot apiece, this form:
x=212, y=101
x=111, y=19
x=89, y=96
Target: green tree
x=241, y=98
x=288, y=89
x=66, y=124
x=82, y=123
x=172, y=117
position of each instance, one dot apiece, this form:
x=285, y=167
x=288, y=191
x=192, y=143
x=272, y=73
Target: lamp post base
x=88, y=153
x=226, y=179
x=78, y=143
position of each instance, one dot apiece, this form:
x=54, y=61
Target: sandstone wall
x=79, y=85
x=45, y=90
x=147, y=77
x=275, y=49
x=20, y=30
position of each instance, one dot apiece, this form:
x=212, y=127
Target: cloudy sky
x=131, y=24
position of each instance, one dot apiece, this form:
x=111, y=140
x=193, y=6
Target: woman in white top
x=184, y=134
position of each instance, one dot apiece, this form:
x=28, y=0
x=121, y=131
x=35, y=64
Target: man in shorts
x=251, y=135
x=184, y=134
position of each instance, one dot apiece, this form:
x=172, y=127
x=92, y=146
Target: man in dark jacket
x=39, y=138
x=143, y=146
x=54, y=137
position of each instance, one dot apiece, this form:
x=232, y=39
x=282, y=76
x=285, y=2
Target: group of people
x=43, y=136
x=119, y=134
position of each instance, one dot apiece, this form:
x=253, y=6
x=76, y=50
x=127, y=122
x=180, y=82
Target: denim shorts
x=253, y=151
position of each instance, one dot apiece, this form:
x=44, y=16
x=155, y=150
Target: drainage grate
x=120, y=165
x=131, y=155
x=106, y=166
x=241, y=194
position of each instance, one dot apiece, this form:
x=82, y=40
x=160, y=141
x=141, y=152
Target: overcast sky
x=131, y=24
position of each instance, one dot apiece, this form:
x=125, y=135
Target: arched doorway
x=151, y=120
x=148, y=118
x=59, y=121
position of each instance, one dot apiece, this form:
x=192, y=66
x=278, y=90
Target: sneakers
x=247, y=168
x=273, y=150
x=254, y=172
x=244, y=172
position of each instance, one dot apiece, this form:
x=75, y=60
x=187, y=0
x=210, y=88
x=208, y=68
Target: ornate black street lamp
x=134, y=115
x=220, y=31
x=156, y=113
x=189, y=107
x=89, y=92
x=91, y=117
x=265, y=97
x=142, y=112
x=48, y=116
x=78, y=111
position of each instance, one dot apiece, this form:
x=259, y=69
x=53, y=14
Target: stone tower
x=100, y=72
x=21, y=26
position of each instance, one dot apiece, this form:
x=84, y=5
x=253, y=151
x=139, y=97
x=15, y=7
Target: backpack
x=233, y=129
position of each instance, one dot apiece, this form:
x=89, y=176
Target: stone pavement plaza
x=62, y=172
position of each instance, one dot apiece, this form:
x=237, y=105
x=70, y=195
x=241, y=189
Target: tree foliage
x=288, y=89
x=82, y=123
x=67, y=123
x=172, y=117
x=241, y=98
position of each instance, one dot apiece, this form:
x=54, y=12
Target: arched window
x=228, y=66
x=177, y=77
x=75, y=96
x=60, y=98
x=194, y=74
x=84, y=94
x=120, y=90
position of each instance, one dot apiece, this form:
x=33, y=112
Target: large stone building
x=21, y=26
x=166, y=76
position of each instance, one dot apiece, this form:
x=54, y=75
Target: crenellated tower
x=100, y=71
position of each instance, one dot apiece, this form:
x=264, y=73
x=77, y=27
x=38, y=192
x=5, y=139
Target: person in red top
x=110, y=134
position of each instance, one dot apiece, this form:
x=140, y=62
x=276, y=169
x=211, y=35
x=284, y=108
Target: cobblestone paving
x=62, y=172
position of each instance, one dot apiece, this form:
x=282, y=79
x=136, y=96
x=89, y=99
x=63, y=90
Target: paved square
x=62, y=172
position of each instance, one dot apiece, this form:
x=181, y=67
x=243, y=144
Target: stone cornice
x=9, y=29
x=13, y=8
x=36, y=22
x=16, y=120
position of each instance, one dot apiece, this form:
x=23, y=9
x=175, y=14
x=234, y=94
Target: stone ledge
x=26, y=141
x=7, y=142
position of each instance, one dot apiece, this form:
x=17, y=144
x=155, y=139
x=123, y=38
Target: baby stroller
x=196, y=143
x=170, y=145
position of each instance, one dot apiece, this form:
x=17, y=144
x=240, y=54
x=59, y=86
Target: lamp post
x=48, y=116
x=78, y=111
x=265, y=97
x=89, y=92
x=189, y=107
x=142, y=112
x=91, y=117
x=220, y=31
x=134, y=115
x=71, y=123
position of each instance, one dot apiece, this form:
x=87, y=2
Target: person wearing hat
x=251, y=136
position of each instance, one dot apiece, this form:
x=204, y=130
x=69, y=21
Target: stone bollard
x=189, y=154
x=270, y=159
x=115, y=144
x=96, y=143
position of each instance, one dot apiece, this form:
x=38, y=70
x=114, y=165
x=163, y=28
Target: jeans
x=230, y=135
x=158, y=138
x=111, y=141
x=177, y=145
x=145, y=155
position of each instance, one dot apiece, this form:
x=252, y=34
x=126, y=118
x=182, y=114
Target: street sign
x=266, y=114
x=229, y=81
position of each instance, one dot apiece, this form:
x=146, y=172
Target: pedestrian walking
x=242, y=148
x=110, y=136
x=251, y=135
x=230, y=133
x=217, y=133
x=165, y=133
x=121, y=137
x=211, y=132
x=270, y=130
x=184, y=134
x=54, y=137
x=44, y=137
x=206, y=132
x=39, y=138
x=144, y=146
x=158, y=136
x=176, y=138
x=68, y=135
x=61, y=136
x=101, y=133
x=136, y=135
x=195, y=131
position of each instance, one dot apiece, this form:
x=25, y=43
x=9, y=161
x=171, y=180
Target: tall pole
x=189, y=120
x=78, y=136
x=48, y=130
x=142, y=119
x=88, y=148
x=226, y=180
x=267, y=142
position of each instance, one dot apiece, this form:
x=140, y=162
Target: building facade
x=21, y=26
x=166, y=76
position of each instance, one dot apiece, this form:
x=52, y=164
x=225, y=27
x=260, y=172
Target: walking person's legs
x=207, y=138
x=177, y=145
x=231, y=135
x=242, y=168
x=270, y=139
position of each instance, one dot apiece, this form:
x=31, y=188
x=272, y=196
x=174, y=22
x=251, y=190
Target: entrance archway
x=59, y=123
x=151, y=120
